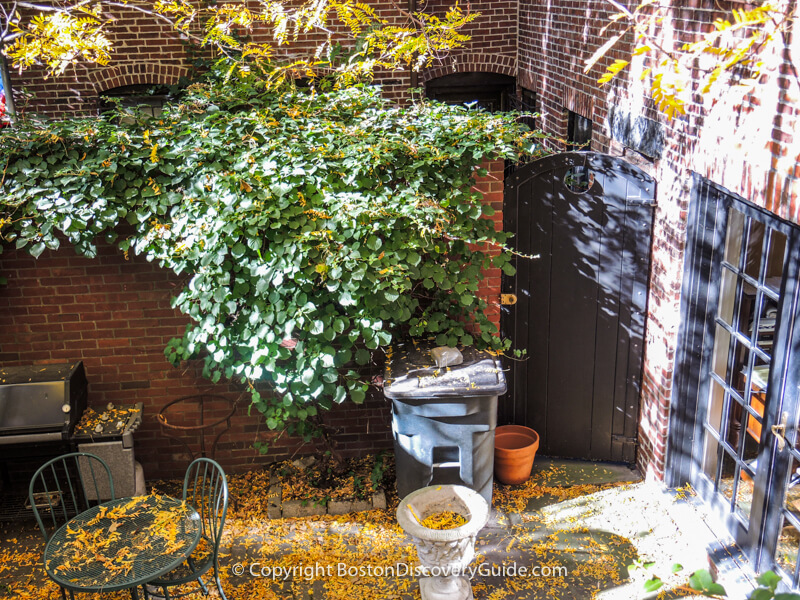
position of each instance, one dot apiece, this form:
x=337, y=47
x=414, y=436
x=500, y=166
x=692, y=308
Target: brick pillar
x=491, y=186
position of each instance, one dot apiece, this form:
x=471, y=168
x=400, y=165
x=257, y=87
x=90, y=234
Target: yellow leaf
x=612, y=71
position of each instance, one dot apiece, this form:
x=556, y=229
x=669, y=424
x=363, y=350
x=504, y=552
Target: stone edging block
x=286, y=509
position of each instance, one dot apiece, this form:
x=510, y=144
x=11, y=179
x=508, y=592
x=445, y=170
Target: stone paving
x=581, y=544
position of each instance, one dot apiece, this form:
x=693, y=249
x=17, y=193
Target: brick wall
x=147, y=51
x=546, y=45
x=758, y=159
x=493, y=44
x=115, y=315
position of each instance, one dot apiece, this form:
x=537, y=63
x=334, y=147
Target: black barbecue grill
x=43, y=413
x=41, y=403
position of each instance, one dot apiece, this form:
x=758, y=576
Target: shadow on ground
x=568, y=533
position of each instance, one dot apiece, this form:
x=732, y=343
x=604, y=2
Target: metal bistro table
x=122, y=544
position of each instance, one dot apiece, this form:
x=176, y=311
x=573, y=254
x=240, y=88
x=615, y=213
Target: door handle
x=779, y=431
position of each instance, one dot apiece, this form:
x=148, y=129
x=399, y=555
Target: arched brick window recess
x=492, y=91
x=150, y=99
x=137, y=83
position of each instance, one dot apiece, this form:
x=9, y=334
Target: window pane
x=757, y=398
x=775, y=261
x=579, y=132
x=737, y=417
x=736, y=375
x=733, y=242
x=755, y=248
x=710, y=455
x=727, y=296
x=744, y=496
x=792, y=500
x=715, y=405
x=764, y=335
x=788, y=543
x=759, y=378
x=727, y=482
x=722, y=342
x=747, y=310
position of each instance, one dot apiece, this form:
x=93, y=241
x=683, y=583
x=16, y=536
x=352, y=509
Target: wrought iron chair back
x=205, y=487
x=66, y=486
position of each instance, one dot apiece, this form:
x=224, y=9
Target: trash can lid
x=412, y=373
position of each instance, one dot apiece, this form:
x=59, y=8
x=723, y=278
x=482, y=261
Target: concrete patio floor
x=576, y=525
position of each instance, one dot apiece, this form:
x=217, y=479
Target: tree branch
x=51, y=8
x=6, y=38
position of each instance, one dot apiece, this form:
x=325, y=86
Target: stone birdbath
x=444, y=553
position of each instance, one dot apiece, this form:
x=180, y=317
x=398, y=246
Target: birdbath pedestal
x=445, y=553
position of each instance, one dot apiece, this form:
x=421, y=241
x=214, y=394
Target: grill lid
x=41, y=398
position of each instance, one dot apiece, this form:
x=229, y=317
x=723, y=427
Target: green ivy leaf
x=238, y=250
x=37, y=249
x=307, y=376
x=702, y=581
x=652, y=584
x=340, y=394
x=769, y=579
x=508, y=269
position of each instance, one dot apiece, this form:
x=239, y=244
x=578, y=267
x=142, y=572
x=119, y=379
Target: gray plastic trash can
x=443, y=419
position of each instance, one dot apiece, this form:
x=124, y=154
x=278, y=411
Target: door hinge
x=508, y=299
x=625, y=439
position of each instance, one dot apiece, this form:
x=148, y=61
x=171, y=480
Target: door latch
x=508, y=299
x=779, y=431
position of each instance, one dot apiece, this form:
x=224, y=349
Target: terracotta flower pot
x=515, y=447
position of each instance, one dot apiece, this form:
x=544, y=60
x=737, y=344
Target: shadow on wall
x=582, y=303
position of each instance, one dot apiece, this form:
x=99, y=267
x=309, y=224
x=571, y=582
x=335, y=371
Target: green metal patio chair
x=205, y=487
x=65, y=487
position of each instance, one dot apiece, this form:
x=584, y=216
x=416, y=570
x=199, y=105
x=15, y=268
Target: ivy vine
x=312, y=229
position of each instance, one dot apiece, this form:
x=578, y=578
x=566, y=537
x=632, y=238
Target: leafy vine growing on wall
x=311, y=228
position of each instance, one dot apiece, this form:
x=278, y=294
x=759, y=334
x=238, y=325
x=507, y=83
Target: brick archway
x=474, y=63
x=139, y=73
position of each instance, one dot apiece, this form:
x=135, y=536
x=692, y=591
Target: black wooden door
x=581, y=304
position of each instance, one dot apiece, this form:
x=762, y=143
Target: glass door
x=780, y=535
x=745, y=408
x=782, y=531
